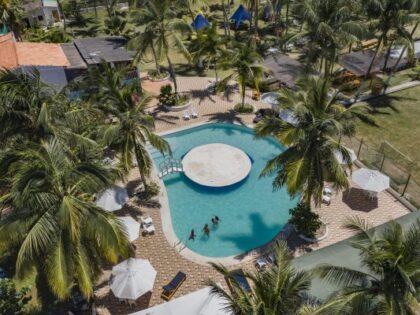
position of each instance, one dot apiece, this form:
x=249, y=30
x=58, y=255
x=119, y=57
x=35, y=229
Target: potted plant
x=307, y=223
x=172, y=101
x=158, y=76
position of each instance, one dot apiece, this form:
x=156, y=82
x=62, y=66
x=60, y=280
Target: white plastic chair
x=150, y=229
x=326, y=199
x=146, y=220
x=194, y=113
x=186, y=115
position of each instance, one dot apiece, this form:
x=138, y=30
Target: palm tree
x=312, y=139
x=389, y=282
x=10, y=15
x=246, y=67
x=330, y=26
x=208, y=46
x=159, y=18
x=388, y=19
x=278, y=289
x=144, y=43
x=130, y=128
x=54, y=221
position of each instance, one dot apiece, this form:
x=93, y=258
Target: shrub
x=155, y=75
x=305, y=221
x=12, y=301
x=169, y=98
x=244, y=108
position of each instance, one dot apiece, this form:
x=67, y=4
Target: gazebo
x=200, y=23
x=240, y=15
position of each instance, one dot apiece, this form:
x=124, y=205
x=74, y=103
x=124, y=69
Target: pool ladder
x=170, y=166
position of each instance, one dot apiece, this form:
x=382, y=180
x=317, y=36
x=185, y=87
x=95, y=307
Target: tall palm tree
x=130, y=128
x=389, y=282
x=54, y=221
x=388, y=19
x=312, y=139
x=278, y=289
x=144, y=43
x=207, y=45
x=330, y=26
x=246, y=67
x=159, y=18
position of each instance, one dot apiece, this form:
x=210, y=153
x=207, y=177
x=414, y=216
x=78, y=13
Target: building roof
x=8, y=56
x=358, y=62
x=73, y=56
x=95, y=50
x=14, y=54
x=341, y=254
x=283, y=68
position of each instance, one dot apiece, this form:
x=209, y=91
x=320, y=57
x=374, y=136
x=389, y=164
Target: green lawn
x=397, y=118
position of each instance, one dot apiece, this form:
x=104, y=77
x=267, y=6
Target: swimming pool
x=250, y=213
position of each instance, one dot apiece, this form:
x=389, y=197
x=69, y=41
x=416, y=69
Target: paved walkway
x=168, y=261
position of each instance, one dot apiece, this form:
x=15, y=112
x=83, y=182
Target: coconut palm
x=388, y=282
x=245, y=65
x=388, y=19
x=32, y=111
x=278, y=289
x=130, y=128
x=54, y=221
x=144, y=44
x=330, y=26
x=312, y=138
x=159, y=18
x=208, y=46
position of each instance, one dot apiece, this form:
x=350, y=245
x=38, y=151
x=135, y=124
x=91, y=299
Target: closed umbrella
x=113, y=198
x=131, y=226
x=340, y=159
x=132, y=278
x=370, y=180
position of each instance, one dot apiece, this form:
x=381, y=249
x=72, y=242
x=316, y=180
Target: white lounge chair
x=194, y=113
x=261, y=263
x=328, y=191
x=326, y=199
x=149, y=229
x=146, y=220
x=186, y=115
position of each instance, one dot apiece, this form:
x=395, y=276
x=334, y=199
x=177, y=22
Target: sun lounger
x=186, y=115
x=326, y=199
x=194, y=113
x=170, y=289
x=146, y=220
x=261, y=263
x=149, y=229
x=238, y=275
x=327, y=191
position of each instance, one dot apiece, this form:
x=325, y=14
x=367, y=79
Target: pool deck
x=165, y=256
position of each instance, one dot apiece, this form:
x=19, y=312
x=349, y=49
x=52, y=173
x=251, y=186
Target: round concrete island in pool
x=216, y=165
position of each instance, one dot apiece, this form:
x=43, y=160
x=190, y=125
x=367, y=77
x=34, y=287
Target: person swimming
x=215, y=220
x=192, y=235
x=206, y=230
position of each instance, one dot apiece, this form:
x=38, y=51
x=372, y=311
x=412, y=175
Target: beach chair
x=186, y=115
x=261, y=263
x=194, y=113
x=149, y=229
x=170, y=289
x=238, y=275
x=326, y=199
x=146, y=220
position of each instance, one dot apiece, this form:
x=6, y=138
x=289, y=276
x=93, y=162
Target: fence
x=403, y=172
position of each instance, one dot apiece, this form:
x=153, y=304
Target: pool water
x=251, y=213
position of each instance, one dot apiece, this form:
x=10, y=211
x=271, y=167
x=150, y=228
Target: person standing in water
x=206, y=230
x=192, y=235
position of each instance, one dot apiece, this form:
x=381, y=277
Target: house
x=41, y=13
x=48, y=59
x=281, y=70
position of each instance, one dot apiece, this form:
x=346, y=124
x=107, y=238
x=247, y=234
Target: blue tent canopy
x=241, y=14
x=200, y=22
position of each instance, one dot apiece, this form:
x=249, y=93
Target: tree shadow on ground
x=377, y=105
x=357, y=200
x=158, y=115
x=202, y=95
x=230, y=116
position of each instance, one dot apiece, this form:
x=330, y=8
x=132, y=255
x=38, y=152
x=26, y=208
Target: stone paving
x=168, y=261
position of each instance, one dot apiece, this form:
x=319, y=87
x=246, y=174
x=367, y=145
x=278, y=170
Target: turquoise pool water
x=251, y=213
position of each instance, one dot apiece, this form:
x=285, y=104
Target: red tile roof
x=14, y=54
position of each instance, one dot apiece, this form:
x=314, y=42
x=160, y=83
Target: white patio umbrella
x=132, y=278
x=340, y=159
x=370, y=180
x=132, y=227
x=113, y=198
